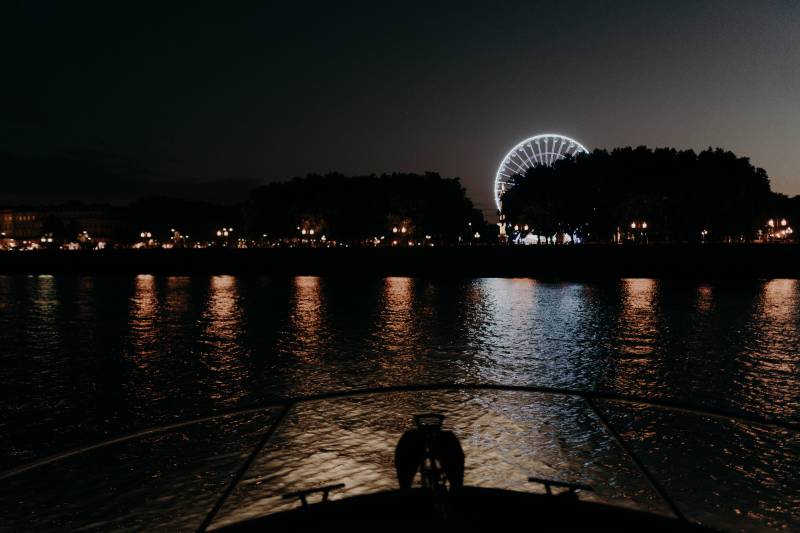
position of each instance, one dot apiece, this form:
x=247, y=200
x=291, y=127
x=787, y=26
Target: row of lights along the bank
x=775, y=229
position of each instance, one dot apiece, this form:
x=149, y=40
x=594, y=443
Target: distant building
x=21, y=225
x=30, y=224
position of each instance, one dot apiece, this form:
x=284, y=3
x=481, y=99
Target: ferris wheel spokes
x=545, y=149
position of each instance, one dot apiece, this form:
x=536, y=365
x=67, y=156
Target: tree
x=360, y=208
x=677, y=193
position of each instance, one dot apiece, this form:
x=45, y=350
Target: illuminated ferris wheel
x=544, y=149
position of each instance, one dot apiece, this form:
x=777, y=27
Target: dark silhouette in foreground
x=434, y=453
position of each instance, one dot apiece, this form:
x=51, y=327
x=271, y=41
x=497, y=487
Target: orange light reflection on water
x=398, y=335
x=221, y=349
x=704, y=301
x=396, y=322
x=769, y=361
x=637, y=323
x=143, y=320
x=306, y=318
x=636, y=362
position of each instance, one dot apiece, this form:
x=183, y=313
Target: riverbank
x=573, y=262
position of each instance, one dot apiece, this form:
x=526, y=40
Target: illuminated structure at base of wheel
x=544, y=149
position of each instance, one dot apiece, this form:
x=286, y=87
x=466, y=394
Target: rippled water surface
x=86, y=358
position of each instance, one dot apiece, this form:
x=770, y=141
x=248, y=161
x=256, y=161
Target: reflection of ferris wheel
x=542, y=149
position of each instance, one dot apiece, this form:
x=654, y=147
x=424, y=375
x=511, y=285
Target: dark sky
x=262, y=91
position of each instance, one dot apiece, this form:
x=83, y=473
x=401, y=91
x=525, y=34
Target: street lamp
x=641, y=235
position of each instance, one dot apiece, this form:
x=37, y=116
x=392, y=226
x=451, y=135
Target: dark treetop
x=679, y=194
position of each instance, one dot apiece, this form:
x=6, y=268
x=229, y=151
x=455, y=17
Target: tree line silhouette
x=358, y=208
x=346, y=210
x=679, y=195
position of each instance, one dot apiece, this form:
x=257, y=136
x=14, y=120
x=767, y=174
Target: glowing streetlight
x=644, y=225
x=394, y=229
x=771, y=223
x=633, y=225
x=783, y=222
x=403, y=229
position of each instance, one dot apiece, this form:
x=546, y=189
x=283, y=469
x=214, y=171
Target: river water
x=87, y=358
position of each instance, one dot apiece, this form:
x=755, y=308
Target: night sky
x=261, y=92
